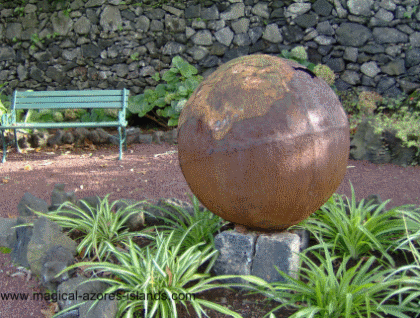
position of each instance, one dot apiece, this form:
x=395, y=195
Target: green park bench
x=88, y=99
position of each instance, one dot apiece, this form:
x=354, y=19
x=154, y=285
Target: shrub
x=57, y=116
x=70, y=114
x=168, y=99
x=324, y=72
x=413, y=101
x=367, y=102
x=299, y=53
x=3, y=108
x=392, y=103
x=97, y=115
x=73, y=114
x=349, y=100
x=406, y=124
x=111, y=112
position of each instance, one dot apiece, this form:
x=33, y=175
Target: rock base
x=253, y=254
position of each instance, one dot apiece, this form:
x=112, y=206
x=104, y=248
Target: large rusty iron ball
x=263, y=142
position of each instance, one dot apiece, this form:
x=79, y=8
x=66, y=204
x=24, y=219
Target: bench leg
x=125, y=139
x=4, y=147
x=121, y=141
x=16, y=142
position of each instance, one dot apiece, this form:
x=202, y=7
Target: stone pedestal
x=253, y=254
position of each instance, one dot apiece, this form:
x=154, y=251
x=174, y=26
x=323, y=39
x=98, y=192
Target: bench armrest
x=8, y=119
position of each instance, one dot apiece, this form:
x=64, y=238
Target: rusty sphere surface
x=263, y=142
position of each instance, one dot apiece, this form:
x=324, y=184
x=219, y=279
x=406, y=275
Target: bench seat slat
x=71, y=93
x=68, y=105
x=61, y=125
x=72, y=99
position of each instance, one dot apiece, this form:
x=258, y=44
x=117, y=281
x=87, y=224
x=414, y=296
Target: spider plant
x=407, y=244
x=101, y=227
x=364, y=229
x=411, y=218
x=202, y=224
x=161, y=269
x=319, y=291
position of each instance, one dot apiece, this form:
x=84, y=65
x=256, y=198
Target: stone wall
x=110, y=44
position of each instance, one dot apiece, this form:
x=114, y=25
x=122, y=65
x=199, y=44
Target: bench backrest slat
x=67, y=105
x=71, y=93
x=69, y=99
x=78, y=99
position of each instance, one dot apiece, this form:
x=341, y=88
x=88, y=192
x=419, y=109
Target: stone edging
x=365, y=144
x=97, y=136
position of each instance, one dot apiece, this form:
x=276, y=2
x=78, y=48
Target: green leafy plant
x=42, y=115
x=170, y=98
x=35, y=39
x=100, y=115
x=161, y=269
x=406, y=124
x=58, y=116
x=349, y=99
x=411, y=219
x=392, y=103
x=102, y=228
x=298, y=54
x=202, y=224
x=5, y=250
x=3, y=108
x=401, y=114
x=73, y=114
x=52, y=36
x=408, y=244
x=20, y=11
x=67, y=11
x=367, y=102
x=355, y=120
x=319, y=291
x=111, y=112
x=135, y=56
x=413, y=101
x=366, y=228
x=153, y=3
x=324, y=72
x=409, y=14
